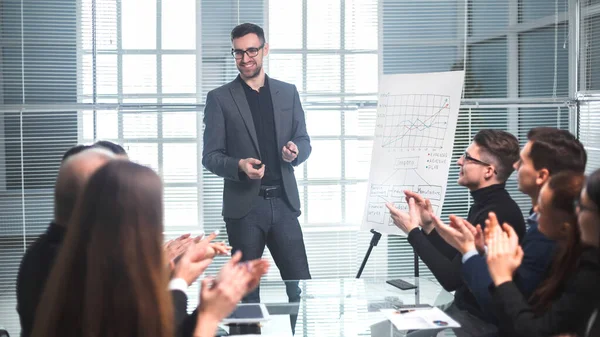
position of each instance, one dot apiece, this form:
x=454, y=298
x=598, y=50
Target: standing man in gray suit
x=254, y=135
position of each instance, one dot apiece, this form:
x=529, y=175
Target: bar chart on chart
x=414, y=121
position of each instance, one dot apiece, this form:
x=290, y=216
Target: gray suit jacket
x=229, y=135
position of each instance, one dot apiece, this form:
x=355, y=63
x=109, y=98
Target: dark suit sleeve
x=441, y=245
x=528, y=276
x=214, y=153
x=477, y=277
x=184, y=324
x=538, y=254
x=567, y=315
x=445, y=270
x=300, y=135
x=179, y=306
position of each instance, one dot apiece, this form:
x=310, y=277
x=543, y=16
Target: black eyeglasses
x=468, y=157
x=251, y=52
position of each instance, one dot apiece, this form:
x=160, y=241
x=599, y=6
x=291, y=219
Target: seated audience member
x=565, y=302
x=38, y=260
x=484, y=168
x=110, y=278
x=548, y=151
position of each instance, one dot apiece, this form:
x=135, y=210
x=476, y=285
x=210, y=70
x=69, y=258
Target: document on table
x=420, y=319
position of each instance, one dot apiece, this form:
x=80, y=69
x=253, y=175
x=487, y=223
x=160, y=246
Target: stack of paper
x=421, y=318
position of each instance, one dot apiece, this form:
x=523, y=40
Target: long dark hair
x=566, y=187
x=109, y=278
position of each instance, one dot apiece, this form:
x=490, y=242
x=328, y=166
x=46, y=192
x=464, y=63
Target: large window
x=330, y=54
x=137, y=55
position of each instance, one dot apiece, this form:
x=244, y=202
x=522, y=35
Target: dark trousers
x=273, y=223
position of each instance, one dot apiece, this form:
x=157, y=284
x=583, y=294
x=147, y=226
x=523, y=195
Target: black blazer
x=33, y=274
x=569, y=313
x=184, y=324
x=229, y=136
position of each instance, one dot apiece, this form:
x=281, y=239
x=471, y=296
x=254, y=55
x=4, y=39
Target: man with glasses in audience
x=483, y=169
x=548, y=151
x=255, y=134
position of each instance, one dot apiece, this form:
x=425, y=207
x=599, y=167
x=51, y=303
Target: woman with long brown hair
x=565, y=301
x=557, y=220
x=110, y=278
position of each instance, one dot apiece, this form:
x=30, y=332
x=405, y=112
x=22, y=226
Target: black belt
x=270, y=192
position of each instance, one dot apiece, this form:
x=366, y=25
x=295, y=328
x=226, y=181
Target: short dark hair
x=248, y=28
x=502, y=146
x=73, y=151
x=112, y=147
x=556, y=150
x=592, y=187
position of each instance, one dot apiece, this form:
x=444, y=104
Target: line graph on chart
x=414, y=121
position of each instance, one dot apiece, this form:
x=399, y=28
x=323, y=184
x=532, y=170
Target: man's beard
x=254, y=74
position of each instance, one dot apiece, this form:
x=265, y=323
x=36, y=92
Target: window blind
x=589, y=84
x=137, y=72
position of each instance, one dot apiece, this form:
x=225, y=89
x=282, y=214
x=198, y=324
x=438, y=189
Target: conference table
x=347, y=307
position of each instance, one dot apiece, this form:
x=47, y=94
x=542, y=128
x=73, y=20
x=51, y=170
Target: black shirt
x=263, y=116
x=445, y=262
